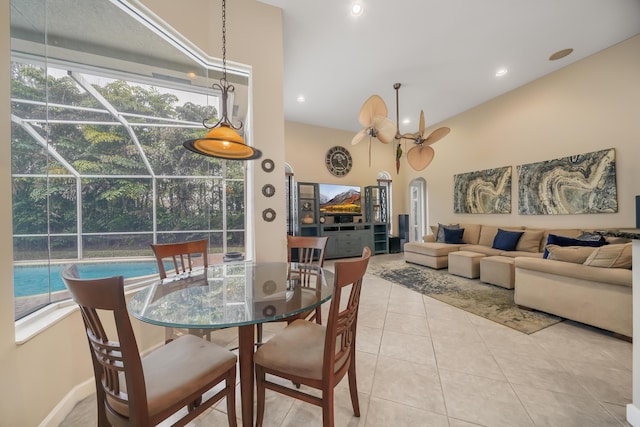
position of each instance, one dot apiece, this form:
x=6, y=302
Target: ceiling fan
x=373, y=116
x=421, y=155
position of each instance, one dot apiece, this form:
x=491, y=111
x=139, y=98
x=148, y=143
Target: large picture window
x=98, y=168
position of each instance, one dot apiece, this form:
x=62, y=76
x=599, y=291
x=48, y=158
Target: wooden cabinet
x=347, y=240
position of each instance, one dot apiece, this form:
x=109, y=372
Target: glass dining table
x=234, y=294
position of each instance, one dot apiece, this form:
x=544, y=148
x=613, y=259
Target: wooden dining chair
x=139, y=392
x=314, y=355
x=183, y=256
x=305, y=250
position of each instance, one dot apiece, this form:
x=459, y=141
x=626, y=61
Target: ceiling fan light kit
x=373, y=116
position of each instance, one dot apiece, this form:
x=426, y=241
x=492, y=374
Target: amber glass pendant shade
x=223, y=142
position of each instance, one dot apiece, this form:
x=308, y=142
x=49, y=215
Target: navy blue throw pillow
x=441, y=228
x=453, y=235
x=568, y=241
x=506, y=240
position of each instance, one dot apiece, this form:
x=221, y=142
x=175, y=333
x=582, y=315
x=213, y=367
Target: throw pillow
x=554, y=239
x=441, y=228
x=592, y=237
x=574, y=254
x=530, y=241
x=452, y=235
x=506, y=240
x=611, y=256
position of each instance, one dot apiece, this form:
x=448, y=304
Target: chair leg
x=327, y=407
x=231, y=398
x=260, y=395
x=353, y=388
x=318, y=315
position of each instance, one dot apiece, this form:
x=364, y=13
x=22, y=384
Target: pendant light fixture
x=223, y=141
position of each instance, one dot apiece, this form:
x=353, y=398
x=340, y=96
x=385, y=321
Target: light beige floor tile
x=558, y=409
x=543, y=373
x=501, y=337
x=384, y=413
x=308, y=415
x=605, y=384
x=438, y=309
x=406, y=323
x=406, y=301
x=409, y=384
x=458, y=330
x=459, y=423
x=482, y=400
x=619, y=412
x=468, y=357
x=372, y=315
x=365, y=372
x=368, y=339
x=412, y=348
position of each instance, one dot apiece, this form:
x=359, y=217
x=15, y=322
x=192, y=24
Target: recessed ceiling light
x=357, y=9
x=406, y=121
x=192, y=75
x=501, y=72
x=301, y=98
x=560, y=54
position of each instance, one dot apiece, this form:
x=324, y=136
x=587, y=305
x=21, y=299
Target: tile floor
x=424, y=363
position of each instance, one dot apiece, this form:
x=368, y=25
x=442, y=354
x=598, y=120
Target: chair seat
x=187, y=363
x=297, y=350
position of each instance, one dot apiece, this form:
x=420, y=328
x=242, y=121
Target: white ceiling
x=445, y=53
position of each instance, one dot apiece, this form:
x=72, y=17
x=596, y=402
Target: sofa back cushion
x=530, y=241
x=471, y=234
x=568, y=241
x=573, y=254
x=566, y=232
x=610, y=256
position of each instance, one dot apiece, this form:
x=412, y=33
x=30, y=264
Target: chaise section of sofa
x=596, y=296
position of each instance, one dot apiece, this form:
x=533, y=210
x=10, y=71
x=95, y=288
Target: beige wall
x=307, y=145
x=588, y=106
x=42, y=373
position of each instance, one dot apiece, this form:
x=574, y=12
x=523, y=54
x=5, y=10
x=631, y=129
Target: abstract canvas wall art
x=487, y=191
x=580, y=184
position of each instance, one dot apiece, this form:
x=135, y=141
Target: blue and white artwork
x=580, y=184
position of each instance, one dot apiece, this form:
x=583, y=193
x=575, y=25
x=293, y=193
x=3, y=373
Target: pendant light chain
x=224, y=40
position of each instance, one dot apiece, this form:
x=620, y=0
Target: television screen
x=340, y=199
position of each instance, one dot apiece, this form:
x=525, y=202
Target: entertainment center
x=335, y=211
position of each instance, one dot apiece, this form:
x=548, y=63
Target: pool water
x=42, y=279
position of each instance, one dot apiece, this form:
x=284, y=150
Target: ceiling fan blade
x=419, y=157
x=421, y=128
x=437, y=135
x=385, y=128
x=372, y=107
x=359, y=136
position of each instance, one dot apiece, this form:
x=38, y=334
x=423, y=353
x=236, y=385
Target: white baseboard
x=633, y=415
x=64, y=407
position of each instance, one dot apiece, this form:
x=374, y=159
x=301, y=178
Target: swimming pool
x=41, y=279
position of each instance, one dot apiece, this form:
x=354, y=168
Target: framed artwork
x=486, y=191
x=580, y=184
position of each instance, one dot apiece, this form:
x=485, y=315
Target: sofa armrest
x=429, y=238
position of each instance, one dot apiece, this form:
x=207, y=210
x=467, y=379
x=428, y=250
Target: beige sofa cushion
x=574, y=254
x=471, y=233
x=431, y=249
x=566, y=232
x=614, y=276
x=610, y=256
x=530, y=241
x=488, y=234
x=486, y=250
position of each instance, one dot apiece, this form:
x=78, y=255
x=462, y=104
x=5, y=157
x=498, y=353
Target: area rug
x=485, y=300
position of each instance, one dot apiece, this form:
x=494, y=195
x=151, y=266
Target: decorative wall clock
x=338, y=161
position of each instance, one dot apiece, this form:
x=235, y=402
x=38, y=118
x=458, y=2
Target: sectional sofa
x=588, y=284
